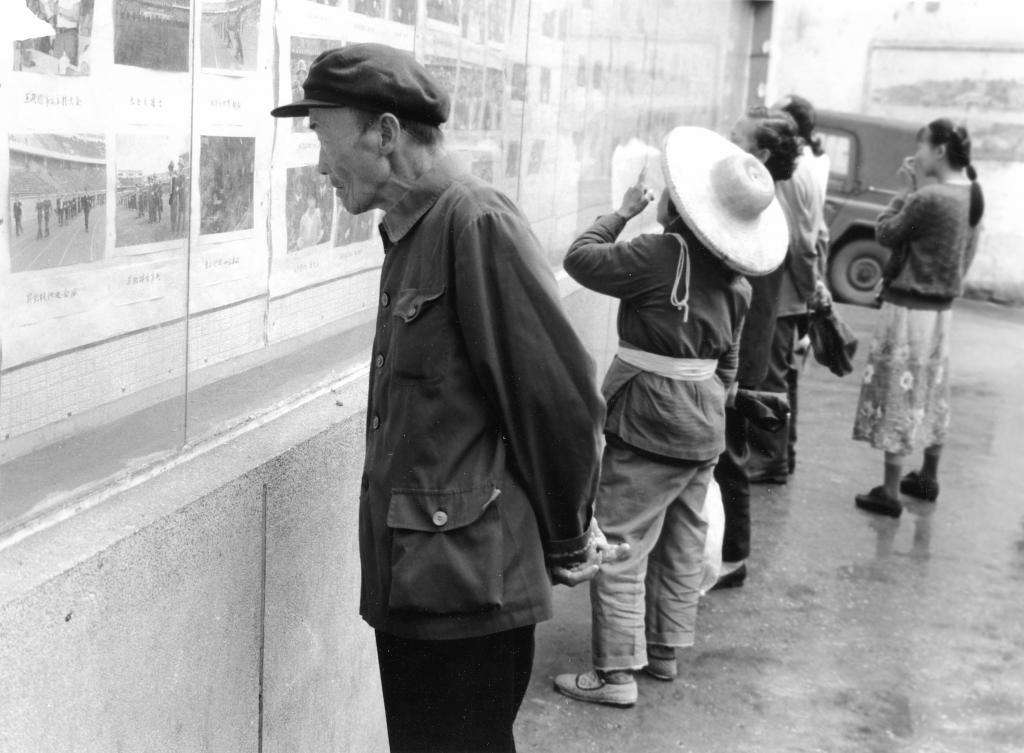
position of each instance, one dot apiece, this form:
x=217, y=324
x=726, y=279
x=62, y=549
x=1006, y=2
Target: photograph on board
x=67, y=51
x=353, y=228
x=226, y=183
x=58, y=191
x=497, y=20
x=474, y=21
x=469, y=98
x=446, y=11
x=304, y=50
x=152, y=33
x=309, y=207
x=373, y=8
x=152, y=177
x=228, y=34
x=404, y=11
x=494, y=99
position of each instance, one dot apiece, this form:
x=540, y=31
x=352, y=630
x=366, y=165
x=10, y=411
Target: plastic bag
x=714, y=514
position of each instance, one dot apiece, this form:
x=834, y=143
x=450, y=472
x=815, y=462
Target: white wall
x=850, y=56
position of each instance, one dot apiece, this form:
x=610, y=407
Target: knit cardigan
x=932, y=245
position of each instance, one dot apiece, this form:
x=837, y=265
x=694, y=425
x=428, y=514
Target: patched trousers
x=651, y=597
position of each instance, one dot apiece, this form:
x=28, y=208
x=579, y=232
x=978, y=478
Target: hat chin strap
x=682, y=273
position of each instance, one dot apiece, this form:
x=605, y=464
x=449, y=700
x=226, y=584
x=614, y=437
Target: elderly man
x=484, y=419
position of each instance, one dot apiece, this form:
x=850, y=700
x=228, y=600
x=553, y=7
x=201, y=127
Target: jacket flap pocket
x=412, y=301
x=438, y=511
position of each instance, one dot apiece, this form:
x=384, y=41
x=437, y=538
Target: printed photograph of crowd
x=308, y=209
x=153, y=179
x=66, y=51
x=226, y=165
x=58, y=191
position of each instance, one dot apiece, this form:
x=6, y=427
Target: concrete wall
x=917, y=60
x=155, y=621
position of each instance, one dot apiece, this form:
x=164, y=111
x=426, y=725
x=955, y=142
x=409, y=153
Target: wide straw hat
x=727, y=198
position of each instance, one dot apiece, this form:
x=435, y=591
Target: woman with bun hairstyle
x=933, y=233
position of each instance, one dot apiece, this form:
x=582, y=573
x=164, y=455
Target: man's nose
x=321, y=164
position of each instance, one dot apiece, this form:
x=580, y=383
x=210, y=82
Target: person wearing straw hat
x=683, y=302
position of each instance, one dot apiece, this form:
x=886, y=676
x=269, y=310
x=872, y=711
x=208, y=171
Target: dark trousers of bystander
x=734, y=483
x=769, y=452
x=454, y=696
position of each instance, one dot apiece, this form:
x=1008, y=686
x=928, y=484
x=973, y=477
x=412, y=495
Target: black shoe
x=880, y=503
x=769, y=477
x=735, y=579
x=914, y=484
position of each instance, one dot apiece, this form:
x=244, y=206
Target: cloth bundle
x=833, y=343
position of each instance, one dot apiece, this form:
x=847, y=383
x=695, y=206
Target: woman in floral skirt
x=933, y=234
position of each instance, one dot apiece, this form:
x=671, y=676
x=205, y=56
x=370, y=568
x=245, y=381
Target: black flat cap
x=372, y=77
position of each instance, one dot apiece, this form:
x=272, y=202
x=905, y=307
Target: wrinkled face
x=350, y=156
x=928, y=157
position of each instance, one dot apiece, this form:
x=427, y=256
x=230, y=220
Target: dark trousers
x=732, y=478
x=769, y=452
x=457, y=696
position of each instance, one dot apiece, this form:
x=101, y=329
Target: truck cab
x=865, y=153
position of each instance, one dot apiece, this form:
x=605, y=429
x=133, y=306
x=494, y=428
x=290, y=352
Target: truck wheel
x=855, y=270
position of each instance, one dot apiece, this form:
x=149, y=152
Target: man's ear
x=763, y=155
x=390, y=131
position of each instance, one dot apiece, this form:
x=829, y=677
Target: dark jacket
x=483, y=425
x=933, y=246
x=679, y=420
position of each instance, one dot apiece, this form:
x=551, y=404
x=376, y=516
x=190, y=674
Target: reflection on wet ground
x=853, y=633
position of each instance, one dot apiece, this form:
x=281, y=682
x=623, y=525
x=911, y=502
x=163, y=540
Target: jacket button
x=385, y=299
x=379, y=360
x=375, y=423
x=440, y=518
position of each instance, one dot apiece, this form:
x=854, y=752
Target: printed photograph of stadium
x=152, y=33
x=228, y=34
x=67, y=51
x=58, y=189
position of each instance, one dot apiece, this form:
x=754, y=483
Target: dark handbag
x=833, y=343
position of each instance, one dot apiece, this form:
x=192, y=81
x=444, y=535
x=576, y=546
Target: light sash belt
x=681, y=369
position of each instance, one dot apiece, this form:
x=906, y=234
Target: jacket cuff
x=567, y=552
x=613, y=220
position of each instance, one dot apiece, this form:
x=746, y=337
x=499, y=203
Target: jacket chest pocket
x=422, y=336
x=446, y=551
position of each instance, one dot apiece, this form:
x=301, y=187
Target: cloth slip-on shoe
x=590, y=687
x=665, y=670
x=880, y=503
x=735, y=579
x=917, y=485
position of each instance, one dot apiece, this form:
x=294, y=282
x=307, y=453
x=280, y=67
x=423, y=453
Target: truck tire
x=855, y=269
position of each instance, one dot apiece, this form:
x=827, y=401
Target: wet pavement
x=854, y=633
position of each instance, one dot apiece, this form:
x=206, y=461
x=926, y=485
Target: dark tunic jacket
x=483, y=422
x=673, y=419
